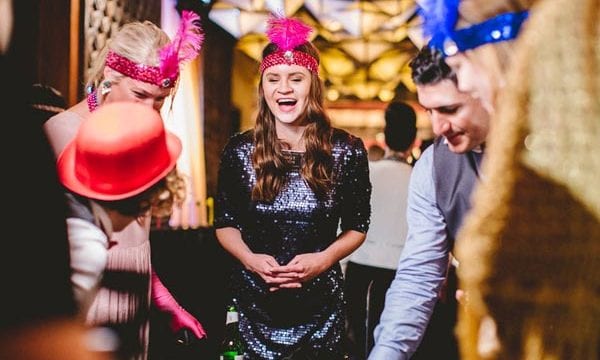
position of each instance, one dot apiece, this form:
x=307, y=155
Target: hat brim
x=66, y=172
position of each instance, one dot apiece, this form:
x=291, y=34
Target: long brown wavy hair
x=268, y=159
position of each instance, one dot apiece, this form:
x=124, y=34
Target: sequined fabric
x=276, y=325
x=288, y=58
x=149, y=74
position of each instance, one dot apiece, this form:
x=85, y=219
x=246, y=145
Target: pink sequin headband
x=185, y=46
x=287, y=33
x=290, y=57
x=145, y=73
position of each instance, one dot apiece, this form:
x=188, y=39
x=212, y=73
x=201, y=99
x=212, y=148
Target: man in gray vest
x=438, y=199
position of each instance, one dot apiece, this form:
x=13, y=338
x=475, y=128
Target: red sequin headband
x=145, y=73
x=290, y=57
x=185, y=46
x=287, y=34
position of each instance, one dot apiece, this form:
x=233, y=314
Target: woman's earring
x=105, y=87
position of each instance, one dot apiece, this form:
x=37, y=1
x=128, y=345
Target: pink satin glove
x=180, y=318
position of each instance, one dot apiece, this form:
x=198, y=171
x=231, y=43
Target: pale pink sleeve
x=61, y=128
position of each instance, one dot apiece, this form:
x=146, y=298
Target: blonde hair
x=137, y=41
x=529, y=247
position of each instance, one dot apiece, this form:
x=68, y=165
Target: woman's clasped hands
x=301, y=268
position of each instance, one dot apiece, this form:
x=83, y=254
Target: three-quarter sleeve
x=230, y=190
x=356, y=191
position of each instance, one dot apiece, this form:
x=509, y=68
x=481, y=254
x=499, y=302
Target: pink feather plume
x=185, y=46
x=287, y=33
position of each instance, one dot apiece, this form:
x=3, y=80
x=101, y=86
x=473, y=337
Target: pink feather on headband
x=287, y=33
x=185, y=46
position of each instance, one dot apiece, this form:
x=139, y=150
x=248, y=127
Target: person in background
x=375, y=152
x=283, y=188
x=438, y=199
x=139, y=64
x=371, y=268
x=523, y=259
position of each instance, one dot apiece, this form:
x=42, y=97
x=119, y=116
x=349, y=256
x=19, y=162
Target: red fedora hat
x=121, y=150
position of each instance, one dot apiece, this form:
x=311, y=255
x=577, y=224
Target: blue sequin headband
x=499, y=28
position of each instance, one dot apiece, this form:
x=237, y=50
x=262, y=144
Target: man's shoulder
x=425, y=161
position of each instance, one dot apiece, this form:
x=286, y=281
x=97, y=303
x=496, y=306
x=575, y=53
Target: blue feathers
x=439, y=16
x=439, y=21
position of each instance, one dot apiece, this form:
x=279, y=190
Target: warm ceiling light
x=360, y=18
x=310, y=21
x=395, y=35
x=402, y=17
x=356, y=117
x=365, y=51
x=286, y=7
x=393, y=7
x=322, y=9
x=399, y=34
x=406, y=78
x=415, y=33
x=366, y=90
x=388, y=66
x=253, y=45
x=335, y=80
x=332, y=94
x=249, y=5
x=236, y=21
x=332, y=37
x=359, y=75
x=386, y=95
x=364, y=45
x=336, y=62
x=332, y=25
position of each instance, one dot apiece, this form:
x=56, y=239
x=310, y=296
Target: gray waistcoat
x=455, y=176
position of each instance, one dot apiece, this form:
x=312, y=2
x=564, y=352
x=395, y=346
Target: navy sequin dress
x=307, y=322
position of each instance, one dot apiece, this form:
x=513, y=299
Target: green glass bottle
x=232, y=348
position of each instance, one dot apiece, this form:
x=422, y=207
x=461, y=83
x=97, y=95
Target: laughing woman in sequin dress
x=283, y=189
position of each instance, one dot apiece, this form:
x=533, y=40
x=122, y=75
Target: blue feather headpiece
x=439, y=21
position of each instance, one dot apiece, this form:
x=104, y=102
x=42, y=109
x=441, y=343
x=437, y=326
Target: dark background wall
x=38, y=45
x=219, y=116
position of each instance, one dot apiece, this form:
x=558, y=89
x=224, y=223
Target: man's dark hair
x=429, y=67
x=400, y=126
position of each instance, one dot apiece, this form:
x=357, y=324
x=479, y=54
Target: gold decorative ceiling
x=365, y=45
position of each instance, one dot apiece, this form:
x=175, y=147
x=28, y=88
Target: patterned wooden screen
x=103, y=17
